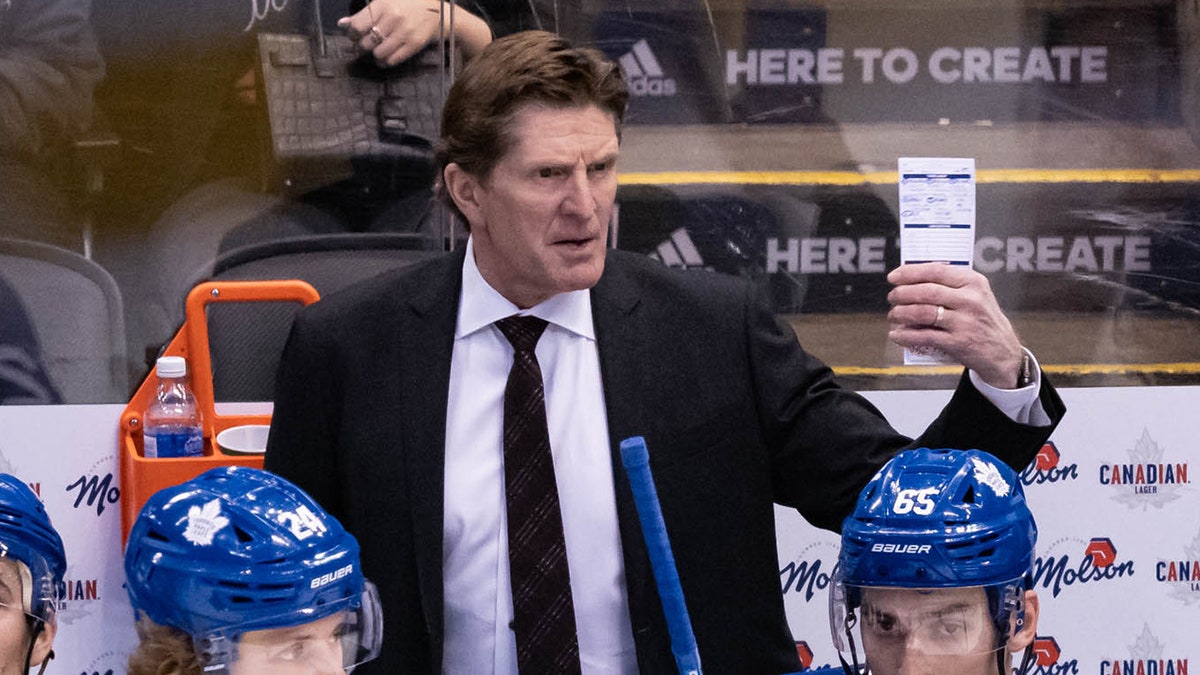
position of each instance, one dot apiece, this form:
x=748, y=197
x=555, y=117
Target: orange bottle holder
x=141, y=477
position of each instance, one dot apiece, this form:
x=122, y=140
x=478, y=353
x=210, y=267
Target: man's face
x=14, y=631
x=311, y=649
x=539, y=221
x=922, y=632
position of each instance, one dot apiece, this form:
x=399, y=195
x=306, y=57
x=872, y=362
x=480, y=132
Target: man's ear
x=1024, y=637
x=466, y=191
x=43, y=643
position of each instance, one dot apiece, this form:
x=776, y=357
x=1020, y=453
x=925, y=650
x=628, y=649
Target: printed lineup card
x=937, y=219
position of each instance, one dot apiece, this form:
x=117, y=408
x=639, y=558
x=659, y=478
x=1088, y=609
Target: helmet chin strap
x=856, y=668
x=1025, y=658
x=46, y=662
x=36, y=626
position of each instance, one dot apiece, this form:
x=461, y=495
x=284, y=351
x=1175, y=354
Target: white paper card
x=937, y=219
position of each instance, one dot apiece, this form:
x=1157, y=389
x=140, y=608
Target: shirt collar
x=481, y=305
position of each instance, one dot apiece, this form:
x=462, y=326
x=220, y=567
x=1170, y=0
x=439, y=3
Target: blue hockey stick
x=636, y=459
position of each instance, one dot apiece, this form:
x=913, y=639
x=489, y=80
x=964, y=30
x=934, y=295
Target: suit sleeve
x=305, y=422
x=826, y=442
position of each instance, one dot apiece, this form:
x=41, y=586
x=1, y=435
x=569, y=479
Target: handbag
x=331, y=111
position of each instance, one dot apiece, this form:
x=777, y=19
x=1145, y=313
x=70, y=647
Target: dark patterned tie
x=543, y=613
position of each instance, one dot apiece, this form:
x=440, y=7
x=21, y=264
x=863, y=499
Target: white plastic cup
x=248, y=439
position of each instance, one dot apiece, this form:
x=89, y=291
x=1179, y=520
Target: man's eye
x=951, y=628
x=545, y=173
x=600, y=167
x=880, y=623
x=293, y=652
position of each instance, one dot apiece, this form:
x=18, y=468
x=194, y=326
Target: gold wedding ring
x=377, y=35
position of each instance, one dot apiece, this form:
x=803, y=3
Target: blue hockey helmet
x=238, y=549
x=936, y=520
x=939, y=519
x=28, y=537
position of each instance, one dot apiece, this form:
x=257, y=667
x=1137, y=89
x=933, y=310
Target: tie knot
x=522, y=332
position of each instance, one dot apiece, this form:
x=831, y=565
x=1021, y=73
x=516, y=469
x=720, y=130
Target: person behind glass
x=200, y=189
x=394, y=30
x=49, y=67
x=24, y=379
x=238, y=571
x=32, y=564
x=934, y=574
x=389, y=403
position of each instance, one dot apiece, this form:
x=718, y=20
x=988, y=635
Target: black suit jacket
x=735, y=414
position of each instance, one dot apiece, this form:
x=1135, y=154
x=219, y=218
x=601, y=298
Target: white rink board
x=1128, y=612
x=1136, y=618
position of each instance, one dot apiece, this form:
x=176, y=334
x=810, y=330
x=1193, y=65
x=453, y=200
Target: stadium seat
x=77, y=312
x=246, y=339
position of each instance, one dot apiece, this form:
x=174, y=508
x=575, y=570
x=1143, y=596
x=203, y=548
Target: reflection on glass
x=761, y=141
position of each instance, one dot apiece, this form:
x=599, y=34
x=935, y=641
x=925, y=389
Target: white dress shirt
x=1022, y=405
x=478, y=595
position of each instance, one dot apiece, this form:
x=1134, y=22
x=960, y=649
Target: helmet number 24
x=919, y=502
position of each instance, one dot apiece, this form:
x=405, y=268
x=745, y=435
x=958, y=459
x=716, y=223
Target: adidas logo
x=678, y=251
x=645, y=75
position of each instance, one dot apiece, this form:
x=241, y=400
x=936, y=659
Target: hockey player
x=238, y=571
x=934, y=570
x=32, y=563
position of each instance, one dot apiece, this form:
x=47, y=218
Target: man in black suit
x=390, y=398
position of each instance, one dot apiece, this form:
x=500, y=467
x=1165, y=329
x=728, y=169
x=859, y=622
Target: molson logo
x=805, y=654
x=98, y=488
x=1047, y=468
x=1182, y=574
x=107, y=663
x=808, y=576
x=1146, y=657
x=1146, y=480
x=806, y=657
x=1098, y=563
x=1047, y=658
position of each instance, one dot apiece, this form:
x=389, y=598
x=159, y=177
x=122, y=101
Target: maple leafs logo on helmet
x=204, y=522
x=990, y=476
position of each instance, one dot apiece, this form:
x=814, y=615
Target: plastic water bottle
x=171, y=425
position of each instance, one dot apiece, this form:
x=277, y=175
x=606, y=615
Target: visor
x=914, y=620
x=340, y=637
x=877, y=627
x=27, y=590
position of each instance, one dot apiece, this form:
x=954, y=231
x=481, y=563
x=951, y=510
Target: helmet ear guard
x=931, y=520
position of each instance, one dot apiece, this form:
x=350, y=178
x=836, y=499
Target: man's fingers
x=953, y=276
x=923, y=294
x=939, y=317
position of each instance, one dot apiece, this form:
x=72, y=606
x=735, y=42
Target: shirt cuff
x=1023, y=405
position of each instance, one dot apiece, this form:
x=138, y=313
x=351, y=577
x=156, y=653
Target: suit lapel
x=621, y=332
x=431, y=313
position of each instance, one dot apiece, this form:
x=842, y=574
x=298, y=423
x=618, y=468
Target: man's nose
x=327, y=660
x=917, y=662
x=579, y=199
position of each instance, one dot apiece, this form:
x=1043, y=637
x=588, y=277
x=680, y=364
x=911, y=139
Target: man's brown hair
x=163, y=650
x=531, y=67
